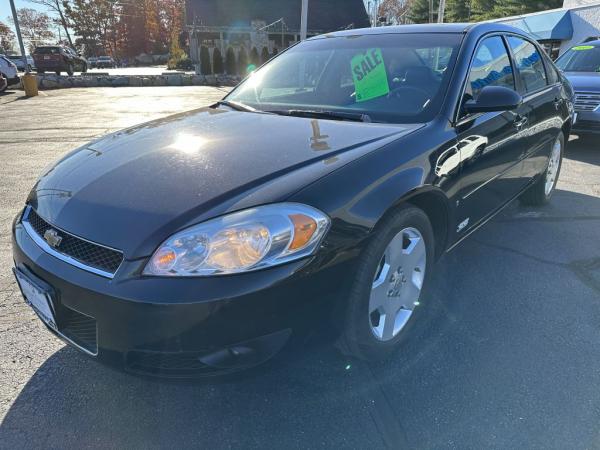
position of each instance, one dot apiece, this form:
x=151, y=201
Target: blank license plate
x=36, y=297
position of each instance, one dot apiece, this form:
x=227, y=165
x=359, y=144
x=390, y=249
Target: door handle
x=557, y=102
x=520, y=122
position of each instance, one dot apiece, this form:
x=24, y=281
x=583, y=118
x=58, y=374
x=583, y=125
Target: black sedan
x=581, y=65
x=321, y=190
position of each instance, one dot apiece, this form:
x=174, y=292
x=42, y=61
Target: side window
x=529, y=64
x=491, y=67
x=551, y=70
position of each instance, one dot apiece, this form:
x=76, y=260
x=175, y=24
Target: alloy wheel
x=397, y=284
x=553, y=166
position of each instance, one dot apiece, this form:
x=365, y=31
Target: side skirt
x=490, y=216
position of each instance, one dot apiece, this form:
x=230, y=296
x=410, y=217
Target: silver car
x=18, y=61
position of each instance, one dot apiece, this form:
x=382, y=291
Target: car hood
x=131, y=189
x=584, y=81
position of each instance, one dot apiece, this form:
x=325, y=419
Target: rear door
x=542, y=101
x=490, y=144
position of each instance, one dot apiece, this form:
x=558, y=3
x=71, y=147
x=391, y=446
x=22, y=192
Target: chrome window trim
x=63, y=257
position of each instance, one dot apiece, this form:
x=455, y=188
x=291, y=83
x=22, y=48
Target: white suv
x=8, y=71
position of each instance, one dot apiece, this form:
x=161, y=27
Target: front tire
x=384, y=300
x=541, y=191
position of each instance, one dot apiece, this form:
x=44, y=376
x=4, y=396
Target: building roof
x=323, y=15
x=554, y=24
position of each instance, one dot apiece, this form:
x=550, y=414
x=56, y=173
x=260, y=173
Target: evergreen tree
x=419, y=11
x=482, y=10
x=458, y=11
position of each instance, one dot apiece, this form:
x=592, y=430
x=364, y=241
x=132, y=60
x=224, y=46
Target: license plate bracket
x=37, y=295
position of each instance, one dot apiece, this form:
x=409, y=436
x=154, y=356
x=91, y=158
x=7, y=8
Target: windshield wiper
x=334, y=115
x=235, y=105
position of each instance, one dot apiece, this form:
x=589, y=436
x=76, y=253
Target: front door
x=491, y=144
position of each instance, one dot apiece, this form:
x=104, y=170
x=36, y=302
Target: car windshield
x=582, y=58
x=396, y=78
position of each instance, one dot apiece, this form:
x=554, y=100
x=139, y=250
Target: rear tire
x=384, y=300
x=70, y=70
x=41, y=71
x=57, y=72
x=541, y=191
x=84, y=68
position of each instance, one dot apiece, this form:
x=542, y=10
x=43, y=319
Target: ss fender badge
x=462, y=225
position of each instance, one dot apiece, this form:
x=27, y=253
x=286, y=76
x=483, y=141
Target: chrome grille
x=82, y=253
x=587, y=101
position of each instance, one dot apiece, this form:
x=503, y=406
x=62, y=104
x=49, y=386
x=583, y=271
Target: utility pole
x=29, y=81
x=19, y=38
x=441, y=11
x=430, y=11
x=376, y=13
x=304, y=20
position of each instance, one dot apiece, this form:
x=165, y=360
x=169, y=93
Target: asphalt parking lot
x=510, y=361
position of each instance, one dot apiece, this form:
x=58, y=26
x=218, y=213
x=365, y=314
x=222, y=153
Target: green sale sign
x=369, y=75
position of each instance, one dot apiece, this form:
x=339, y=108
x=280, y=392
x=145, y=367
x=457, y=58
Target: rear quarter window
x=529, y=64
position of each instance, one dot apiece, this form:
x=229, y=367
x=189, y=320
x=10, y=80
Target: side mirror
x=494, y=98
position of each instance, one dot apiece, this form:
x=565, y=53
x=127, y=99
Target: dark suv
x=58, y=59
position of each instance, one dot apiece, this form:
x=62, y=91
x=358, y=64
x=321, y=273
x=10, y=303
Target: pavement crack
x=583, y=269
x=520, y=253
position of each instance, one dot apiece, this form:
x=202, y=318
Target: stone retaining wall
x=52, y=81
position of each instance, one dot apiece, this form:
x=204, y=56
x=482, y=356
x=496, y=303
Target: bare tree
x=35, y=27
x=7, y=38
x=56, y=6
x=394, y=10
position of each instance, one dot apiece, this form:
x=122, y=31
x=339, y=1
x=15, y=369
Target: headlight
x=246, y=240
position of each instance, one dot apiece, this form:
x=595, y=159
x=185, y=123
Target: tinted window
x=551, y=70
x=490, y=67
x=46, y=51
x=529, y=64
x=390, y=77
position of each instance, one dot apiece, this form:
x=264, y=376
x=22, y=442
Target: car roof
x=478, y=28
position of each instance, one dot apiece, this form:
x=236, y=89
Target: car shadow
x=584, y=148
x=503, y=360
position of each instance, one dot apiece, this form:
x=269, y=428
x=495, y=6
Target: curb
x=52, y=81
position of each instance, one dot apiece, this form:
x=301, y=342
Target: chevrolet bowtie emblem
x=52, y=238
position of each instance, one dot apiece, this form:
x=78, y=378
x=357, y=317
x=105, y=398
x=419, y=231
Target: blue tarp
x=550, y=25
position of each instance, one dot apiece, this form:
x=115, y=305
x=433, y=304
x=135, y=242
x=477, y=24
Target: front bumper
x=178, y=327
x=588, y=122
